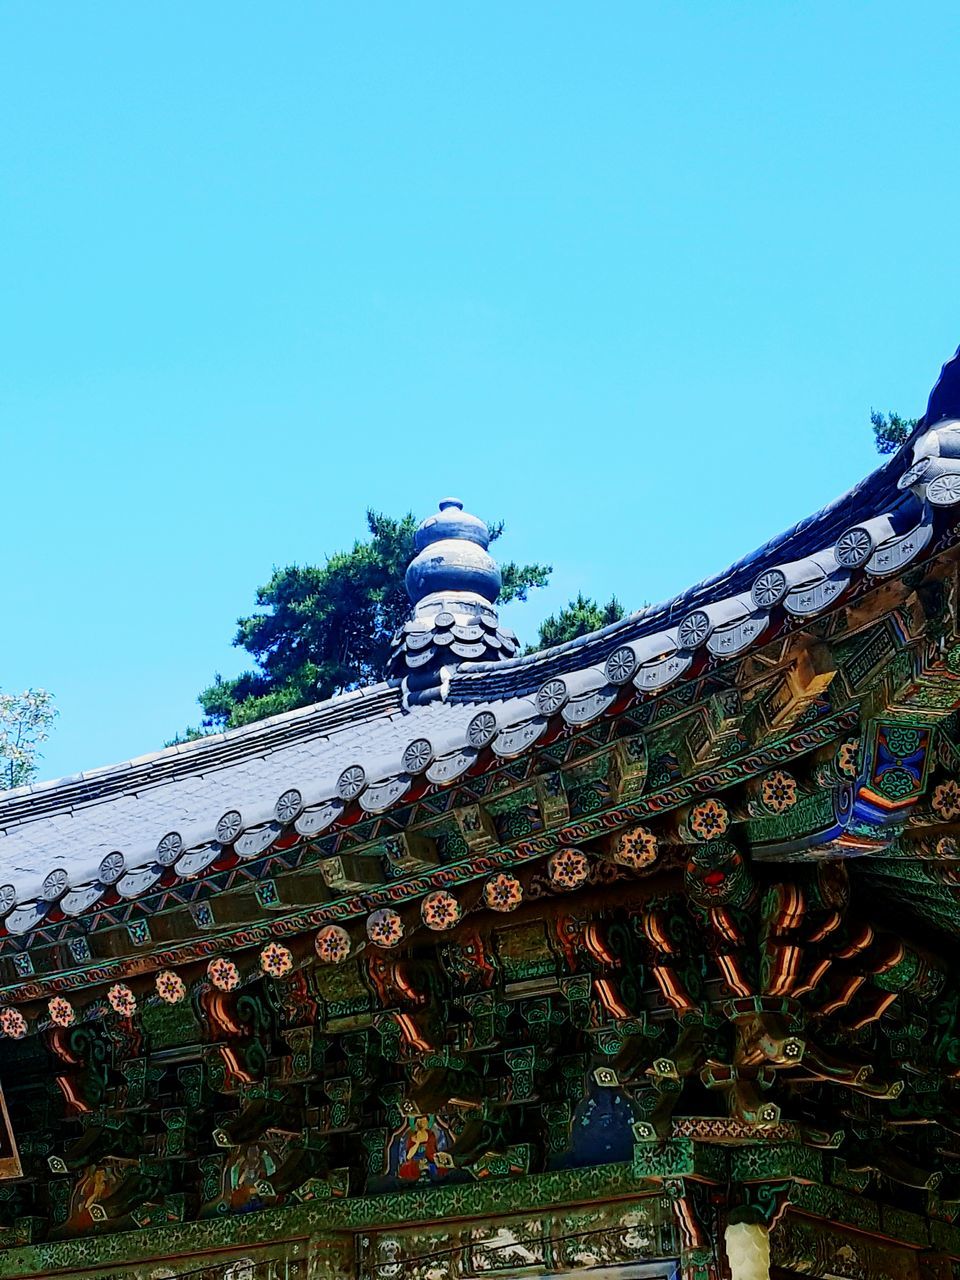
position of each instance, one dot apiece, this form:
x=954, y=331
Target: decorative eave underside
x=69, y=847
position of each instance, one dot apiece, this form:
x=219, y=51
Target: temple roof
x=123, y=827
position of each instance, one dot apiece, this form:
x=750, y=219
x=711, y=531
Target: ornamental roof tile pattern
x=67, y=842
x=77, y=822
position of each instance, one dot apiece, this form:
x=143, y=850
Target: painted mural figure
x=244, y=1176
x=95, y=1184
x=422, y=1147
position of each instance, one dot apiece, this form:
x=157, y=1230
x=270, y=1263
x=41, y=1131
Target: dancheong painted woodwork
x=636, y=954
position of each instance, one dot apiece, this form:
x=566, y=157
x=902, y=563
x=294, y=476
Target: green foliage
x=190, y=734
x=25, y=720
x=577, y=618
x=323, y=629
x=890, y=430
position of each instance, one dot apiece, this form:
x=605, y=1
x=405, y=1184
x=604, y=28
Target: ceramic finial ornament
x=452, y=557
x=453, y=583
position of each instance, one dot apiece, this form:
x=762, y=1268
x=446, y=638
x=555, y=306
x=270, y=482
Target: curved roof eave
x=877, y=492
x=126, y=825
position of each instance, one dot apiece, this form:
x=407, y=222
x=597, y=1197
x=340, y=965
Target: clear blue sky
x=629, y=276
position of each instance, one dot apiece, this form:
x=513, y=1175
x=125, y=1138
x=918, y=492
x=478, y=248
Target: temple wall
x=564, y=1222
x=635, y=1239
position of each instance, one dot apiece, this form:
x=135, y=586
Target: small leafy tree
x=25, y=721
x=322, y=629
x=890, y=430
x=578, y=618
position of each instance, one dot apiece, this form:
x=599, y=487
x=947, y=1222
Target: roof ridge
x=632, y=626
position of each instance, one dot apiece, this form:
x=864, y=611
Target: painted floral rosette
x=568, y=869
x=122, y=1000
x=61, y=1012
x=385, y=928
x=223, y=973
x=171, y=988
x=440, y=910
x=708, y=819
x=847, y=754
x=946, y=800
x=502, y=892
x=778, y=791
x=13, y=1023
x=635, y=848
x=276, y=960
x=332, y=944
